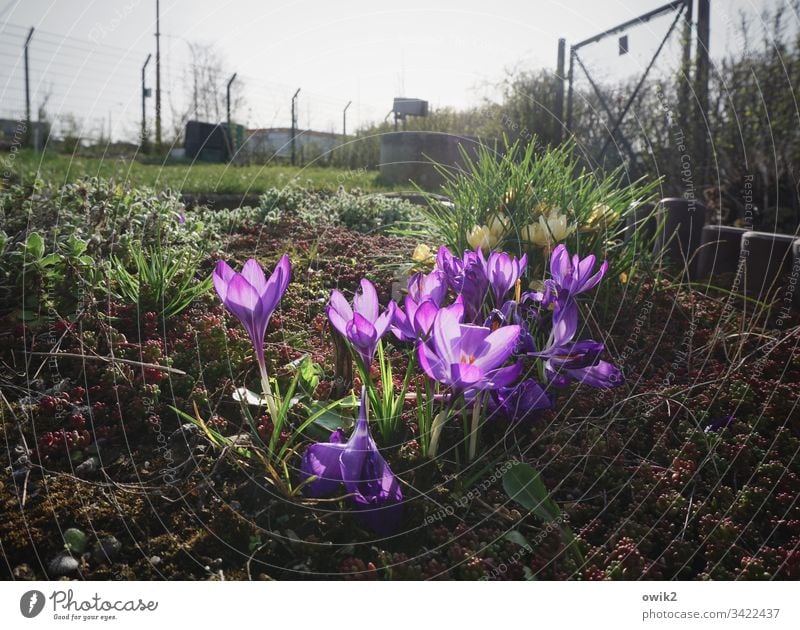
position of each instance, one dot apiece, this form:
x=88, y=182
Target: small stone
x=155, y=560
x=106, y=549
x=88, y=467
x=62, y=564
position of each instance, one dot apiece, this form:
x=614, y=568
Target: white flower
x=481, y=236
x=549, y=230
x=498, y=225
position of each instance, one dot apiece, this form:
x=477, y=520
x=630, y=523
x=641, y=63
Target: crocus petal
x=222, y=276
x=384, y=320
x=604, y=375
x=595, y=279
x=361, y=333
x=498, y=346
x=520, y=402
x=503, y=377
x=583, y=269
x=254, y=274
x=244, y=302
x=466, y=375
x=366, y=302
x=432, y=363
x=401, y=324
x=241, y=295
x=339, y=312
x=322, y=460
x=559, y=264
x=276, y=285
x=424, y=317
x=471, y=341
x=447, y=331
x=565, y=323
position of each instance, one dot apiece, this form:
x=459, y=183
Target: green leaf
x=34, y=246
x=517, y=538
x=50, y=259
x=523, y=485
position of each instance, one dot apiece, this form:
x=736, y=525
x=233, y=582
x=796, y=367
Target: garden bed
x=688, y=470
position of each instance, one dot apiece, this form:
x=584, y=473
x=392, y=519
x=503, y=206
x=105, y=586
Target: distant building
x=13, y=133
x=277, y=142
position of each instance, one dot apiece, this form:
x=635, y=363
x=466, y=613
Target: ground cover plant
x=261, y=394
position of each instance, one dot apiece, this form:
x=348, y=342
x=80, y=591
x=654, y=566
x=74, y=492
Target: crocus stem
x=473, y=437
x=267, y=390
x=436, y=431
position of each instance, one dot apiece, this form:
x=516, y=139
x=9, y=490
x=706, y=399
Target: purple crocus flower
x=431, y=286
x=468, y=357
x=426, y=292
x=475, y=284
x=415, y=321
x=514, y=313
x=467, y=277
x=503, y=271
x=363, y=324
x=451, y=267
x=252, y=297
x=520, y=402
x=374, y=490
x=567, y=360
x=574, y=275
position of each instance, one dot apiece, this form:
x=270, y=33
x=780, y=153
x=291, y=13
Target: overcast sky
x=88, y=53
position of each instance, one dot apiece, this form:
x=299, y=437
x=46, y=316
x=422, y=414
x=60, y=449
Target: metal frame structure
x=681, y=8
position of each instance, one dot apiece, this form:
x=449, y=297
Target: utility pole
x=27, y=91
x=145, y=94
x=344, y=119
x=158, y=77
x=559, y=105
x=294, y=126
x=701, y=88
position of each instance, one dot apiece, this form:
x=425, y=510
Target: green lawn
x=187, y=178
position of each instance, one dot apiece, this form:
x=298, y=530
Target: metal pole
x=144, y=108
x=701, y=87
x=344, y=119
x=570, y=76
x=559, y=105
x=684, y=93
x=158, y=76
x=228, y=98
x=229, y=130
x=294, y=125
x=27, y=91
